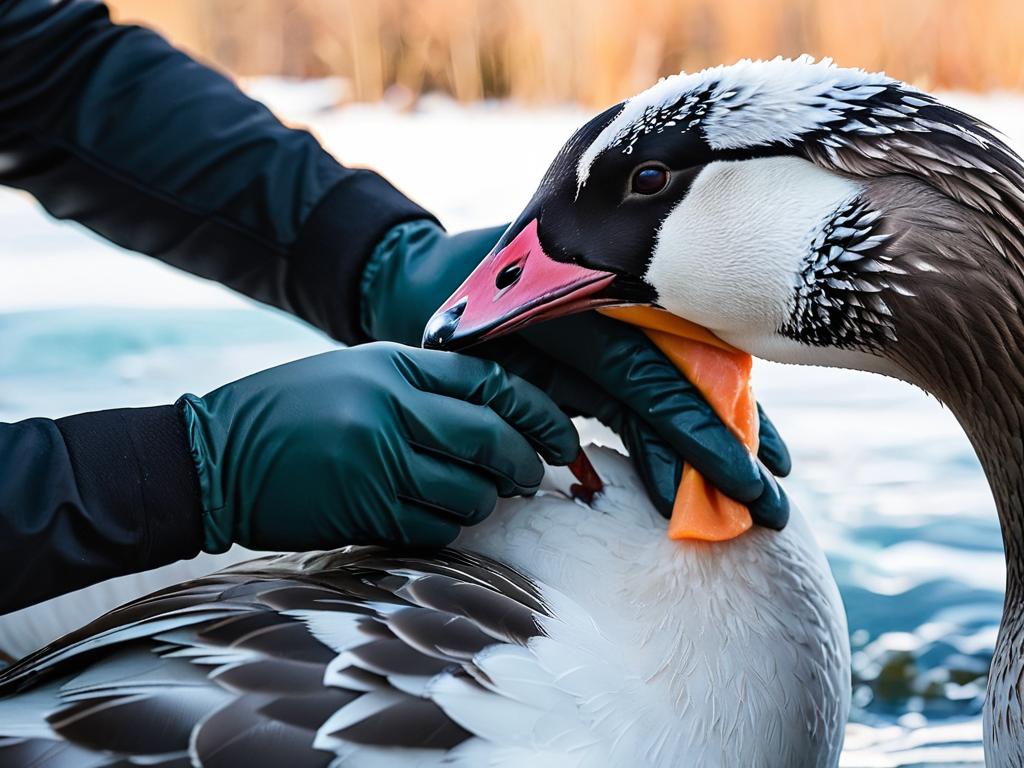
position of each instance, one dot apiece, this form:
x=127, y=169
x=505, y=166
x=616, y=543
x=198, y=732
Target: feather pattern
x=840, y=296
x=579, y=655
x=748, y=104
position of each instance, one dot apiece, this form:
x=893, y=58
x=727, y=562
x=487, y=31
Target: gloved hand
x=375, y=444
x=588, y=364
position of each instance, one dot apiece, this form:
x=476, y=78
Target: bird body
x=553, y=634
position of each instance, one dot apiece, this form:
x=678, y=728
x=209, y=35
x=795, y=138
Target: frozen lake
x=894, y=490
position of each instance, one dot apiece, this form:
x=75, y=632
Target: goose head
x=799, y=211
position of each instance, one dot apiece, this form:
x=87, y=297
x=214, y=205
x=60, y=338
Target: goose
x=806, y=214
x=556, y=633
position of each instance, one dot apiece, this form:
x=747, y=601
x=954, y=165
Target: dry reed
x=591, y=51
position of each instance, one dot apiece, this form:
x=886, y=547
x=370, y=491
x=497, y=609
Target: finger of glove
x=661, y=471
x=623, y=361
x=771, y=508
x=523, y=406
x=660, y=468
x=772, y=448
x=573, y=392
x=420, y=526
x=477, y=438
x=454, y=491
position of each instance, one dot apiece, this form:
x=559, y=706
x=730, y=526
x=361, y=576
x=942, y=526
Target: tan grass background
x=591, y=51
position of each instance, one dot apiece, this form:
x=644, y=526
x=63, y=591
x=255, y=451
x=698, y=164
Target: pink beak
x=516, y=286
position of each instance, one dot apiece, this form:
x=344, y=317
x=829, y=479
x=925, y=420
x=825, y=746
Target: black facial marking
x=612, y=222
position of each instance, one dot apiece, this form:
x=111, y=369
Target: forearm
x=111, y=126
x=93, y=496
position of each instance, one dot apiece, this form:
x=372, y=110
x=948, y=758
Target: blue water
x=890, y=484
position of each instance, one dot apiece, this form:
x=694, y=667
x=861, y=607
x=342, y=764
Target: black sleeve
x=89, y=497
x=111, y=126
x=114, y=128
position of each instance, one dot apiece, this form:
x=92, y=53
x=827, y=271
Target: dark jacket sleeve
x=111, y=126
x=92, y=496
x=114, y=128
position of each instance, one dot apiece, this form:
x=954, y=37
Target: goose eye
x=649, y=179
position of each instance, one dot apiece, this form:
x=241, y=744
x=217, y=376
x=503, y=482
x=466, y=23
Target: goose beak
x=514, y=286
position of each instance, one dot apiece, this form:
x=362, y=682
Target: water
x=902, y=508
x=891, y=485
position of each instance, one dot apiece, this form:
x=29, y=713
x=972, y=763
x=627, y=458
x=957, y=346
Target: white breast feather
x=713, y=655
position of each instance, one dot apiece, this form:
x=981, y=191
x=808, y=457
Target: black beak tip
x=442, y=326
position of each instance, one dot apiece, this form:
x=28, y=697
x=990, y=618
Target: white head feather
x=781, y=100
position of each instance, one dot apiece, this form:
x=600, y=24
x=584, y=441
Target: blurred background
x=462, y=104
x=593, y=52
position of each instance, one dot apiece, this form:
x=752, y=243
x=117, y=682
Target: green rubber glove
x=590, y=365
x=376, y=444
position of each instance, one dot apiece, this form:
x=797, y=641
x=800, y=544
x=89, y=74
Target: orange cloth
x=722, y=374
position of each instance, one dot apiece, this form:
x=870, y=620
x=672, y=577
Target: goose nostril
x=507, y=276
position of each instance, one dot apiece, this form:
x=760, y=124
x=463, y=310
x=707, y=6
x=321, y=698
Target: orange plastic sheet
x=722, y=374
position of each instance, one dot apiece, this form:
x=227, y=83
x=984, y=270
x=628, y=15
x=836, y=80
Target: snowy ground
x=903, y=510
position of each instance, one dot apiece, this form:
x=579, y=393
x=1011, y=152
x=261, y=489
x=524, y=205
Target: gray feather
x=232, y=663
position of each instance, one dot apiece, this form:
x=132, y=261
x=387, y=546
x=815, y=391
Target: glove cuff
x=379, y=319
x=132, y=465
x=206, y=449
